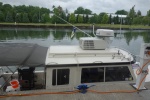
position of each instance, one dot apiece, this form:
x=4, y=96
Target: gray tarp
x=31, y=55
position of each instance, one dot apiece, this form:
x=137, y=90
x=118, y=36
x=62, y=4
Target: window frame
x=127, y=66
x=56, y=83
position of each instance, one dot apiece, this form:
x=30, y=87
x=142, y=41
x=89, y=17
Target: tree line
x=33, y=14
x=23, y=14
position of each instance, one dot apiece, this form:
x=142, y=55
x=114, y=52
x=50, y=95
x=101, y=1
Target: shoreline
x=82, y=26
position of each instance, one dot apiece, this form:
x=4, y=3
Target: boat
x=91, y=70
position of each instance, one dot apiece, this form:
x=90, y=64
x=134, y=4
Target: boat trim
x=89, y=64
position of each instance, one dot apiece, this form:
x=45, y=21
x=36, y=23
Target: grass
x=116, y=26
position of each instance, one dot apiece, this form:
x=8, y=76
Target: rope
x=41, y=93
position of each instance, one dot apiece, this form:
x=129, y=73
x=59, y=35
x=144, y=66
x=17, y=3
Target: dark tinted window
x=117, y=74
x=62, y=76
x=92, y=75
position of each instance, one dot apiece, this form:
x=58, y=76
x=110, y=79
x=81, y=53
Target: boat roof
x=22, y=54
x=60, y=55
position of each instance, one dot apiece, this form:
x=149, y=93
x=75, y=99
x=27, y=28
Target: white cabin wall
x=75, y=75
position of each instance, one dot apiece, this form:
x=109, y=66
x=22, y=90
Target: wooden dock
x=141, y=95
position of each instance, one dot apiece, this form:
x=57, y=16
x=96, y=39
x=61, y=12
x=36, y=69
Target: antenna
x=72, y=25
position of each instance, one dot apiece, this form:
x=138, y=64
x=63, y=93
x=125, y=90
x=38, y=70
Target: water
x=128, y=39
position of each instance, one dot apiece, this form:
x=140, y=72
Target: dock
x=103, y=87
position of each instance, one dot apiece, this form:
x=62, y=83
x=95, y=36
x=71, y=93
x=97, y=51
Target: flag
x=73, y=32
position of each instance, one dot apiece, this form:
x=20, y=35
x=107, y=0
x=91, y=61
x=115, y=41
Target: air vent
x=89, y=44
x=92, y=43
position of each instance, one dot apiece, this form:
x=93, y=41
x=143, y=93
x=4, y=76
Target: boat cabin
x=69, y=66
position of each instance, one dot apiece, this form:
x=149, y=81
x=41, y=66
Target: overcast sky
x=96, y=6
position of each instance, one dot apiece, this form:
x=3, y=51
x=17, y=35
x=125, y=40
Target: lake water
x=128, y=39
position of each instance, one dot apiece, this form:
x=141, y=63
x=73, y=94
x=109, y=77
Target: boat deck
x=142, y=95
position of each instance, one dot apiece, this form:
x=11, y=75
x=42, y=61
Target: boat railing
x=113, y=55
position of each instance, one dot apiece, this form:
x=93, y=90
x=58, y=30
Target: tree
x=63, y=16
x=77, y=18
x=25, y=18
x=110, y=21
x=66, y=11
x=139, y=13
x=2, y=17
x=116, y=20
x=9, y=17
x=105, y=19
x=72, y=18
x=137, y=20
x=58, y=12
x=80, y=19
x=145, y=20
x=94, y=19
x=87, y=11
x=148, y=13
x=1, y=5
x=47, y=18
x=35, y=18
x=100, y=17
x=68, y=17
x=86, y=18
x=132, y=14
x=121, y=12
x=18, y=18
x=81, y=10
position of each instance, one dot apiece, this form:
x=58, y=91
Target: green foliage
x=116, y=20
x=139, y=13
x=80, y=19
x=18, y=18
x=25, y=18
x=145, y=20
x=32, y=11
x=35, y=18
x=121, y=12
x=94, y=19
x=105, y=19
x=148, y=13
x=132, y=14
x=110, y=19
x=47, y=18
x=81, y=10
x=34, y=14
x=86, y=18
x=2, y=17
x=72, y=18
x=58, y=12
x=137, y=20
x=100, y=17
x=9, y=17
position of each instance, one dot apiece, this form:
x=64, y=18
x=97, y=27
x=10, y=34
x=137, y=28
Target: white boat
x=92, y=67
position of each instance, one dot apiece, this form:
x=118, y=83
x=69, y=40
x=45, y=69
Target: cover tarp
x=24, y=54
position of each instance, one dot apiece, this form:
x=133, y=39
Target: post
x=120, y=23
x=93, y=28
x=144, y=61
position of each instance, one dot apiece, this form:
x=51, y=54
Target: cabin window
x=60, y=76
x=117, y=74
x=105, y=74
x=90, y=75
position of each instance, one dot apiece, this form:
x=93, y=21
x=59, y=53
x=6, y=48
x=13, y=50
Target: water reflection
x=128, y=39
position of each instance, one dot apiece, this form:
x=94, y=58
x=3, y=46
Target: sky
x=96, y=6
